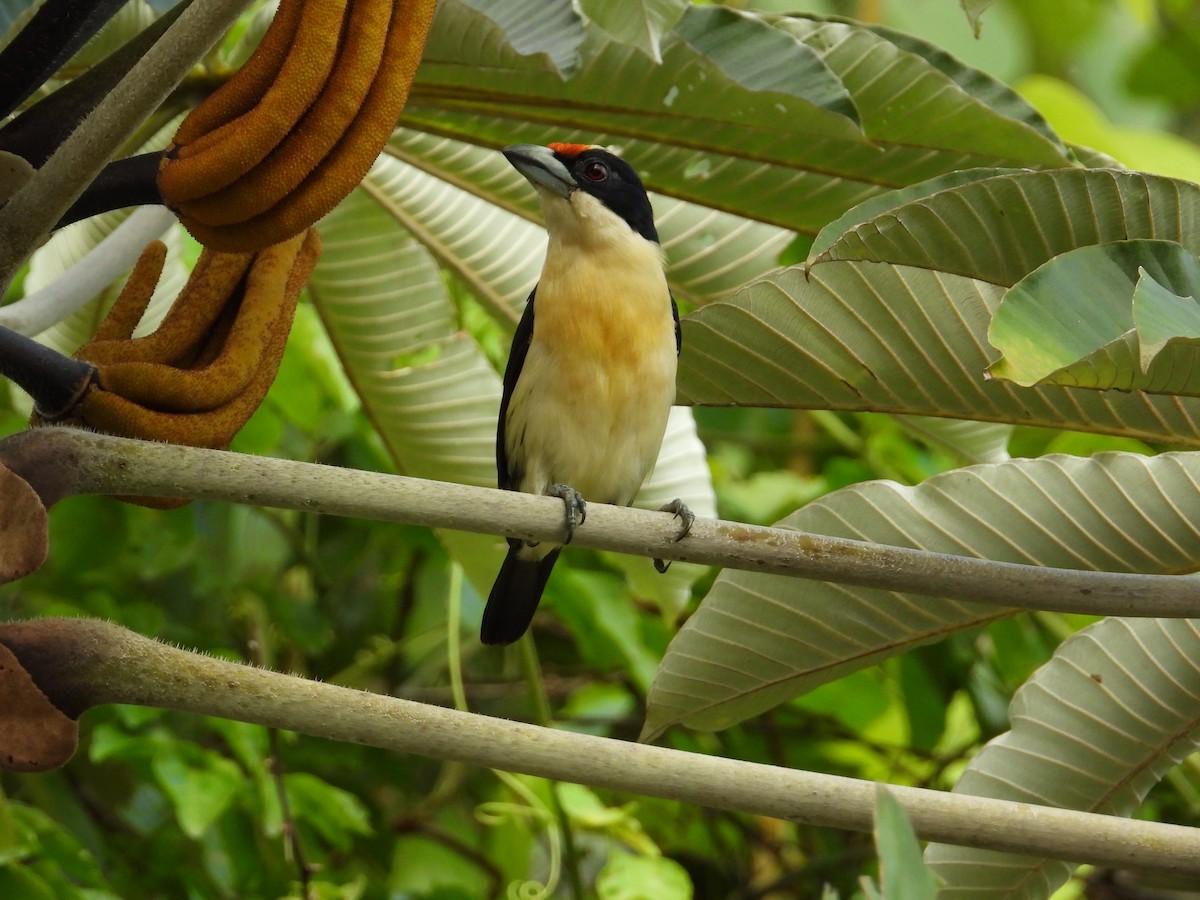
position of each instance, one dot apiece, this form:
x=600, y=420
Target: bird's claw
x=576, y=507
x=679, y=509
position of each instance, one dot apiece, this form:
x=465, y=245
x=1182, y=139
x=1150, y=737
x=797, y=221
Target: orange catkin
x=347, y=163
x=218, y=158
x=135, y=296
x=282, y=171
x=241, y=93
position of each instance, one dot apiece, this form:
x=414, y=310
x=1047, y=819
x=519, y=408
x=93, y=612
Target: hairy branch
x=110, y=664
x=63, y=461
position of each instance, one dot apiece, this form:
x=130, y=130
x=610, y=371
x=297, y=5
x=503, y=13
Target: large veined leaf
x=870, y=336
x=893, y=200
x=640, y=23
x=992, y=91
x=497, y=254
x=428, y=388
x=549, y=29
x=715, y=130
x=1001, y=228
x=759, y=640
x=709, y=253
x=751, y=48
x=973, y=442
x=1093, y=729
x=464, y=38
x=1120, y=315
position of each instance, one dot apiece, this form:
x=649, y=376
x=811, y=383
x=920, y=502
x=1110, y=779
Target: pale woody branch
x=110, y=664
x=113, y=665
x=80, y=462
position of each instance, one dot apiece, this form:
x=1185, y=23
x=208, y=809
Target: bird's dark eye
x=595, y=170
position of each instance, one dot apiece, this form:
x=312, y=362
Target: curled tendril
x=532, y=811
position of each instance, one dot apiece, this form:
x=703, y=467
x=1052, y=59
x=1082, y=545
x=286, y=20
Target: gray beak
x=541, y=167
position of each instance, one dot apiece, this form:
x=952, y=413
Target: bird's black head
x=563, y=168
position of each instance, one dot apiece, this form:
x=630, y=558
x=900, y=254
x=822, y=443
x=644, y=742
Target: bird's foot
x=686, y=517
x=576, y=507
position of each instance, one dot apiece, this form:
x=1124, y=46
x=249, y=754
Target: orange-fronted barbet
x=591, y=376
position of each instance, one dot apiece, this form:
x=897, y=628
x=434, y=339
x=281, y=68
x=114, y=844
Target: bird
x=590, y=379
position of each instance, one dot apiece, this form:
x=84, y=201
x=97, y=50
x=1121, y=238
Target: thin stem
x=832, y=425
x=531, y=671
x=454, y=637
x=291, y=834
x=73, y=461
x=531, y=668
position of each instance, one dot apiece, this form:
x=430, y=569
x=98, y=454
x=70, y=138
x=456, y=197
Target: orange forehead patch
x=569, y=150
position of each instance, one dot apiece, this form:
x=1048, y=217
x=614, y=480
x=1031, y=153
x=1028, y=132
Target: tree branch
x=109, y=664
x=64, y=461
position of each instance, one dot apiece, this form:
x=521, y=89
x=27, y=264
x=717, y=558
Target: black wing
x=674, y=315
x=506, y=478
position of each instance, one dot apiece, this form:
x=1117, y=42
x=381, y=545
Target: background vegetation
x=164, y=804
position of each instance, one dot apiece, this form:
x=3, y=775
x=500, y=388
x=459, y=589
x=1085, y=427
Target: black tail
x=515, y=595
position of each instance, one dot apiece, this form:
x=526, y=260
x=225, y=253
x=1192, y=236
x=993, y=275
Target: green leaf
x=748, y=45
x=703, y=131
x=429, y=193
x=551, y=30
x=582, y=805
x=1093, y=729
x=868, y=337
x=972, y=442
x=627, y=877
x=1161, y=317
x=1121, y=315
x=427, y=387
x=199, y=792
x=903, y=874
x=19, y=881
x=425, y=868
x=885, y=203
x=336, y=815
x=638, y=23
x=605, y=623
x=758, y=640
x=993, y=92
x=1000, y=228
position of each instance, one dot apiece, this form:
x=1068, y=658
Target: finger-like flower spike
x=296, y=128
x=198, y=377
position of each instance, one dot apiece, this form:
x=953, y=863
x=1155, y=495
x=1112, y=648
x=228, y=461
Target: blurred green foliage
x=158, y=804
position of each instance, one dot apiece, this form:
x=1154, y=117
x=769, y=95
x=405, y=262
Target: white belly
x=593, y=423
